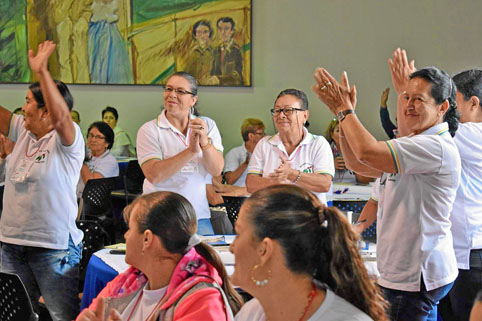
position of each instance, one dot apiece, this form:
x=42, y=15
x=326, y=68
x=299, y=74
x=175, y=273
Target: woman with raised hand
x=293, y=155
x=40, y=240
x=419, y=174
x=300, y=261
x=173, y=275
x=178, y=150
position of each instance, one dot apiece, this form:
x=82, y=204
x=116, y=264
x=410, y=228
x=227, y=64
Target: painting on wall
x=129, y=41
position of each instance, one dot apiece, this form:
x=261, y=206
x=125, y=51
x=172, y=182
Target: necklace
x=311, y=296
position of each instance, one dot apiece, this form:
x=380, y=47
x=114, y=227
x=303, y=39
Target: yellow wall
x=290, y=39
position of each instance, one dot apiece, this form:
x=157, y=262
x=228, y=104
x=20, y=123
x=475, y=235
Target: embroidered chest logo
x=306, y=168
x=42, y=157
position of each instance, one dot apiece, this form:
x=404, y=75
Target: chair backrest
x=95, y=237
x=233, y=203
x=134, y=177
x=96, y=196
x=15, y=303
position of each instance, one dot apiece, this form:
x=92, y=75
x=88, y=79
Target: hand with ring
x=198, y=128
x=337, y=96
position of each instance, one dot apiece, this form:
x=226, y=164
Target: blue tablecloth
x=98, y=274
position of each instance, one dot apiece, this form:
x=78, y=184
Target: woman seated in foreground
x=300, y=261
x=342, y=173
x=174, y=276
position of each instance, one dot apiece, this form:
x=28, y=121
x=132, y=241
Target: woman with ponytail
x=300, y=261
x=173, y=275
x=419, y=174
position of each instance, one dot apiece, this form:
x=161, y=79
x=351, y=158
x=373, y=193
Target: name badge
x=190, y=167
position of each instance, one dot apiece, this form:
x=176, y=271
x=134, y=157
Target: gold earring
x=258, y=282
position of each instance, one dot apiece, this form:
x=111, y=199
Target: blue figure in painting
x=108, y=59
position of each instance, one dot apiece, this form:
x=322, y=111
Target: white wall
x=290, y=39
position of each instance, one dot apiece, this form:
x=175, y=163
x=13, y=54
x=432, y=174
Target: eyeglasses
x=178, y=91
x=287, y=111
x=259, y=133
x=95, y=136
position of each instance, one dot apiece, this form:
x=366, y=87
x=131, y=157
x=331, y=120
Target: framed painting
x=128, y=42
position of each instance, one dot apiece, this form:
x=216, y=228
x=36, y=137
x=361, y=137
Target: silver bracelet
x=297, y=177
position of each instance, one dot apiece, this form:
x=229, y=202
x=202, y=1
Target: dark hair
x=62, y=88
x=202, y=23
x=172, y=218
x=316, y=241
x=17, y=110
x=226, y=20
x=193, y=86
x=298, y=94
x=443, y=88
x=110, y=110
x=105, y=129
x=469, y=83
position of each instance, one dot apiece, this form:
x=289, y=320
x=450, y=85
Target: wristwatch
x=342, y=114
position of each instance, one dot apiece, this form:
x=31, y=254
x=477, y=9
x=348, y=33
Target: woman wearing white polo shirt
x=419, y=179
x=178, y=150
x=293, y=155
x=40, y=241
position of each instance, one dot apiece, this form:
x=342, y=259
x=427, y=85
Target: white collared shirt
x=105, y=164
x=413, y=229
x=158, y=139
x=234, y=158
x=312, y=155
x=466, y=214
x=40, y=209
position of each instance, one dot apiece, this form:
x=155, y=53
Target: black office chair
x=133, y=180
x=15, y=303
x=233, y=204
x=97, y=203
x=95, y=237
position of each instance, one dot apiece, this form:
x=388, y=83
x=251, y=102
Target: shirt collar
x=438, y=129
x=307, y=138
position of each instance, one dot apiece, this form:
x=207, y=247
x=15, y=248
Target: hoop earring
x=258, y=282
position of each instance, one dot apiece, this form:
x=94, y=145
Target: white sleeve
x=213, y=133
x=323, y=157
x=148, y=146
x=467, y=139
x=258, y=158
x=17, y=123
x=420, y=154
x=232, y=161
x=108, y=167
x=376, y=190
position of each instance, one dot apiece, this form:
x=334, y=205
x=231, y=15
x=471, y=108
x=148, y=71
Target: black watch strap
x=342, y=114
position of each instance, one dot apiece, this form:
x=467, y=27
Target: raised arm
x=338, y=98
x=54, y=102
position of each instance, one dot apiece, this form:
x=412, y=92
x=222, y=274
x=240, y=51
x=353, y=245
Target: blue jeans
x=466, y=286
x=204, y=227
x=53, y=274
x=415, y=306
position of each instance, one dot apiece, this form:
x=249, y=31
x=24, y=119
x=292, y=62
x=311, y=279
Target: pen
x=360, y=222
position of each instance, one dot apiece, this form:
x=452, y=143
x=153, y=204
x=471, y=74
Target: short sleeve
x=148, y=145
x=213, y=133
x=375, y=196
x=323, y=157
x=108, y=167
x=420, y=154
x=232, y=160
x=77, y=149
x=257, y=161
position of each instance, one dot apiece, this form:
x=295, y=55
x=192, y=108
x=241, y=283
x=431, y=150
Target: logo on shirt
x=42, y=156
x=306, y=168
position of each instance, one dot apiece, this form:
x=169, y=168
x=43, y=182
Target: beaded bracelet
x=297, y=177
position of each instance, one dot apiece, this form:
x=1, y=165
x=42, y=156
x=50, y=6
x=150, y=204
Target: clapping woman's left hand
x=199, y=128
x=337, y=97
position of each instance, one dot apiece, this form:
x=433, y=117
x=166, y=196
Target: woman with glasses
x=40, y=241
x=122, y=146
x=178, y=150
x=99, y=162
x=293, y=155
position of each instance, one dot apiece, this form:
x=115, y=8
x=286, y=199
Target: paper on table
x=115, y=261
